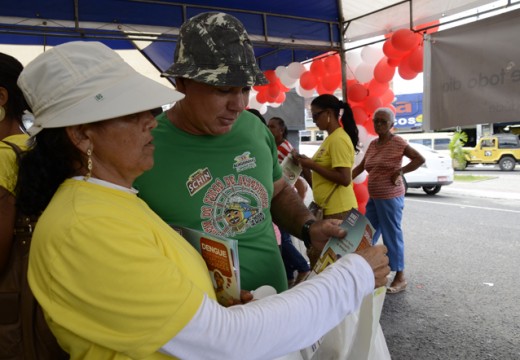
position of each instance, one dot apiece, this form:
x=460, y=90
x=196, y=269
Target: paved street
x=462, y=250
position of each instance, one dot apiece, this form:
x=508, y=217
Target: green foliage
x=457, y=152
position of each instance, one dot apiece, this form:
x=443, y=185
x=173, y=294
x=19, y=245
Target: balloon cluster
x=369, y=73
x=281, y=81
x=368, y=85
x=322, y=75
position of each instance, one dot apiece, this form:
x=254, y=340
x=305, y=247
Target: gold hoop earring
x=2, y=113
x=89, y=165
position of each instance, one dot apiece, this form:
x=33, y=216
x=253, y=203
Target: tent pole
x=342, y=51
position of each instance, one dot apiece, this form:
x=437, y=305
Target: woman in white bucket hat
x=114, y=280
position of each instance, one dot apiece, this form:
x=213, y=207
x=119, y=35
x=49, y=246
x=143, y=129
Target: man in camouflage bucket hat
x=216, y=167
x=214, y=49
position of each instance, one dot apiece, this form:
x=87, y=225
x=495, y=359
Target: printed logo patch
x=198, y=180
x=233, y=205
x=244, y=162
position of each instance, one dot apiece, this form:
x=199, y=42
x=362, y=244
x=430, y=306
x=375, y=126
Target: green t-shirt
x=221, y=185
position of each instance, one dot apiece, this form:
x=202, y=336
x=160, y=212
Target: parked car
x=437, y=171
x=501, y=149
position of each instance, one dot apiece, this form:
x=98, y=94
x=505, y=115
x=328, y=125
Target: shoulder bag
x=24, y=331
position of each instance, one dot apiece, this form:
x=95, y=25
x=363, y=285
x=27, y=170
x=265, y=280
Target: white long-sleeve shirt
x=279, y=324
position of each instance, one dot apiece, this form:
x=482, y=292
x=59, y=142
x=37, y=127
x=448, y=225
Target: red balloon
x=260, y=88
x=390, y=51
x=308, y=80
x=332, y=64
x=331, y=81
x=273, y=90
x=375, y=88
x=318, y=68
x=394, y=62
x=383, y=72
x=357, y=92
x=270, y=98
x=361, y=191
x=369, y=126
x=320, y=89
x=405, y=71
x=360, y=115
x=271, y=76
x=372, y=103
x=281, y=98
x=388, y=97
x=261, y=97
x=415, y=59
x=362, y=208
x=404, y=40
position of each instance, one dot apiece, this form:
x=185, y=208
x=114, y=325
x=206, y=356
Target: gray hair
x=387, y=111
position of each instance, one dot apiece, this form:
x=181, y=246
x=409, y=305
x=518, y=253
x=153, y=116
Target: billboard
x=408, y=112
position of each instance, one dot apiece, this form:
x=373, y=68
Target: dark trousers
x=293, y=260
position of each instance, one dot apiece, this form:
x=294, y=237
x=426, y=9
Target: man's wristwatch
x=306, y=233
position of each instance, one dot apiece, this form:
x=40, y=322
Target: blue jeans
x=385, y=216
x=293, y=260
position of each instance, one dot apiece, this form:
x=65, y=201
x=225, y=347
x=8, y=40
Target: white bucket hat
x=84, y=82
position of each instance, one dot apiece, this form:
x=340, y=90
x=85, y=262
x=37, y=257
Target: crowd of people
x=108, y=181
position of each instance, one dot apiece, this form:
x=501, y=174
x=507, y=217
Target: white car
x=437, y=171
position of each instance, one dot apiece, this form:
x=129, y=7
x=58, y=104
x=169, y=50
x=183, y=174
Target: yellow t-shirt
x=336, y=150
x=8, y=164
x=114, y=280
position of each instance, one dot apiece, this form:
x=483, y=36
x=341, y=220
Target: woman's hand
x=397, y=178
x=300, y=159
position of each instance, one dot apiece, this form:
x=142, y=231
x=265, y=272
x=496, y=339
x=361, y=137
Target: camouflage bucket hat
x=214, y=49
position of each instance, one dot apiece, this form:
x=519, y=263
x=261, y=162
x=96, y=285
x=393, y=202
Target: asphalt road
x=462, y=248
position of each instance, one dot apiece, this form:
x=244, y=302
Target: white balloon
x=274, y=105
x=362, y=135
x=360, y=178
x=295, y=69
x=304, y=92
x=280, y=70
x=371, y=54
x=254, y=104
x=288, y=81
x=364, y=72
x=263, y=109
x=353, y=60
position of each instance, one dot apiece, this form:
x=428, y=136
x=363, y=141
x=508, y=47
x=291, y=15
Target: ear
x=79, y=136
x=180, y=85
x=4, y=96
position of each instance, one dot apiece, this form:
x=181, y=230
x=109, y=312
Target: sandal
x=396, y=289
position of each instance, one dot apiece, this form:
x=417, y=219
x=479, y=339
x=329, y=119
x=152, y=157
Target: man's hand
x=378, y=261
x=322, y=230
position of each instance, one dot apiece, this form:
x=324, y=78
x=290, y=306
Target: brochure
x=290, y=170
x=359, y=236
x=221, y=257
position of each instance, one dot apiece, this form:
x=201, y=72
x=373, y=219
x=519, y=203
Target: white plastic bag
x=358, y=337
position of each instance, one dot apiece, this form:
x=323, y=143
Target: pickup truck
x=501, y=149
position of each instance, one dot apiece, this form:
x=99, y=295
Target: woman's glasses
x=316, y=115
x=378, y=121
